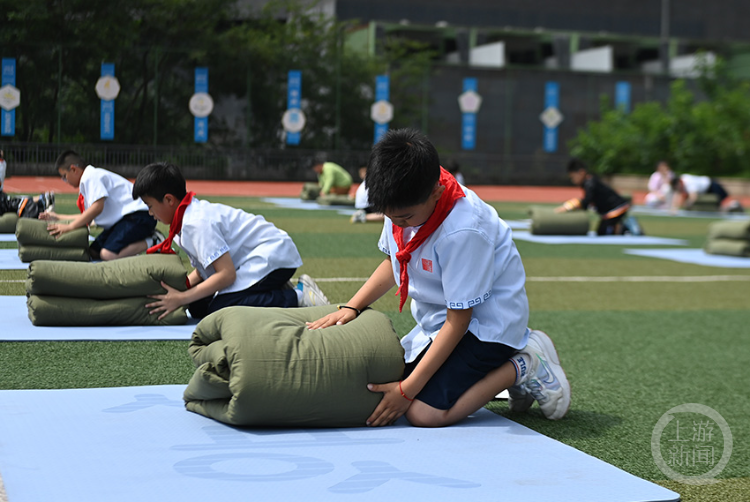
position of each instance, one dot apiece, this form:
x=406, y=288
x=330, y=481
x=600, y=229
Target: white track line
x=637, y=278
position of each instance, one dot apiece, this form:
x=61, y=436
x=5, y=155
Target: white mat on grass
x=9, y=260
x=621, y=240
x=296, y=203
x=687, y=214
x=7, y=237
x=694, y=256
x=139, y=443
x=16, y=326
x=519, y=224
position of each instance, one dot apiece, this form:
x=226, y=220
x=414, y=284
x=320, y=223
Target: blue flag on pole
x=293, y=101
x=107, y=108
x=201, y=123
x=8, y=118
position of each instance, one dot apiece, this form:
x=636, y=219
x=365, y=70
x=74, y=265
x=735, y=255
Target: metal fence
x=211, y=163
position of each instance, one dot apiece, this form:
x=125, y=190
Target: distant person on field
x=455, y=258
x=611, y=207
x=364, y=211
x=660, y=186
x=454, y=168
x=3, y=168
x=688, y=187
x=239, y=258
x=24, y=207
x=333, y=179
x=104, y=198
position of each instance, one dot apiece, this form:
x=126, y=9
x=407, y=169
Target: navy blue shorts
x=470, y=361
x=131, y=228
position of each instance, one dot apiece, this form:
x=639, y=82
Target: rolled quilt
x=310, y=191
x=8, y=223
x=727, y=247
x=335, y=200
x=127, y=277
x=34, y=232
x=63, y=311
x=545, y=221
x=31, y=253
x=263, y=367
x=735, y=229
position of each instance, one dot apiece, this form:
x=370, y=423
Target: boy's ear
x=171, y=200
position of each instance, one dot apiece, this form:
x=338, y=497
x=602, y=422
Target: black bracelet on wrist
x=348, y=307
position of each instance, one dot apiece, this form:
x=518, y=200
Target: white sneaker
x=312, y=296
x=48, y=200
x=359, y=216
x=546, y=381
x=155, y=238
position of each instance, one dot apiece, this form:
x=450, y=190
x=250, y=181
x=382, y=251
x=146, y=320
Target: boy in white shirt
x=364, y=213
x=239, y=258
x=104, y=198
x=455, y=257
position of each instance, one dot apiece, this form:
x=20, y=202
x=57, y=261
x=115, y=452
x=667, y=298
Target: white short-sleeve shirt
x=470, y=261
x=116, y=191
x=695, y=184
x=360, y=197
x=256, y=246
x=3, y=167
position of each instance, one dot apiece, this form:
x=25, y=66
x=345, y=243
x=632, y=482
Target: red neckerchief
x=80, y=203
x=174, y=227
x=443, y=207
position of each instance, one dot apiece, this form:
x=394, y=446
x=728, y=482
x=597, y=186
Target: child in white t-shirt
x=239, y=258
x=364, y=213
x=105, y=199
x=455, y=258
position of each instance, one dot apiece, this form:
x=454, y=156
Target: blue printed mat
x=693, y=256
x=139, y=443
x=621, y=240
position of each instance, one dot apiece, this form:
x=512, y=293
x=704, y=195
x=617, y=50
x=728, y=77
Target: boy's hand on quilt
x=49, y=216
x=57, y=229
x=339, y=317
x=391, y=407
x=560, y=209
x=165, y=303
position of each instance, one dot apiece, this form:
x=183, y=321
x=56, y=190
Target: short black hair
x=576, y=164
x=159, y=179
x=403, y=170
x=68, y=158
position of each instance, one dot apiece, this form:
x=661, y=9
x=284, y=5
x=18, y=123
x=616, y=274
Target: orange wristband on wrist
x=402, y=392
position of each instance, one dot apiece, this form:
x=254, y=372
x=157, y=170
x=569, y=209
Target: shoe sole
x=308, y=282
x=554, y=361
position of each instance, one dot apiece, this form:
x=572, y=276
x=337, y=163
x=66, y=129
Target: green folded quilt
x=263, y=367
x=8, y=223
x=728, y=247
x=736, y=229
x=135, y=276
x=545, y=221
x=62, y=311
x=335, y=200
x=29, y=253
x=310, y=191
x=35, y=233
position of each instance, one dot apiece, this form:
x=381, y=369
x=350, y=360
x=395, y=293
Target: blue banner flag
x=107, y=108
x=469, y=119
x=551, y=116
x=382, y=93
x=8, y=118
x=200, y=132
x=622, y=96
x=293, y=101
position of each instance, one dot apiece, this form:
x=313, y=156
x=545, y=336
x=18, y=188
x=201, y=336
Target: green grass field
x=632, y=350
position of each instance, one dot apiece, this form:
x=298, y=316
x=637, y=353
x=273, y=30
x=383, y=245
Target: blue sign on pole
x=551, y=105
x=200, y=133
x=293, y=101
x=622, y=96
x=8, y=118
x=382, y=93
x=107, y=108
x=469, y=120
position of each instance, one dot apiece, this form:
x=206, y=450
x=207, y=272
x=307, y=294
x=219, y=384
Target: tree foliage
x=155, y=45
x=705, y=132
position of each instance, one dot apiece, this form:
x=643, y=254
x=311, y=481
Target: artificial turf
x=632, y=350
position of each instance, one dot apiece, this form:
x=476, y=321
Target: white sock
x=522, y=362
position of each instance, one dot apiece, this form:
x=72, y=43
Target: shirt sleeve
x=205, y=241
x=467, y=262
x=383, y=241
x=96, y=188
x=325, y=180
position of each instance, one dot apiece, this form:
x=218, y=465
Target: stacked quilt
x=263, y=367
x=707, y=202
x=8, y=223
x=731, y=238
x=36, y=243
x=112, y=293
x=545, y=221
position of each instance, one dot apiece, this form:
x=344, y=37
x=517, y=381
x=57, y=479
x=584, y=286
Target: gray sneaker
x=546, y=381
x=312, y=296
x=359, y=216
x=155, y=238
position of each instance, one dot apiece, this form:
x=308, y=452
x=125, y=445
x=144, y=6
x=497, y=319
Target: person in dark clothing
x=26, y=207
x=611, y=207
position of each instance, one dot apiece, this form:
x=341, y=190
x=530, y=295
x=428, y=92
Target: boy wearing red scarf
x=455, y=258
x=239, y=258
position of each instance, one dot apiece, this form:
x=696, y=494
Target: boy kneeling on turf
x=454, y=256
x=239, y=258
